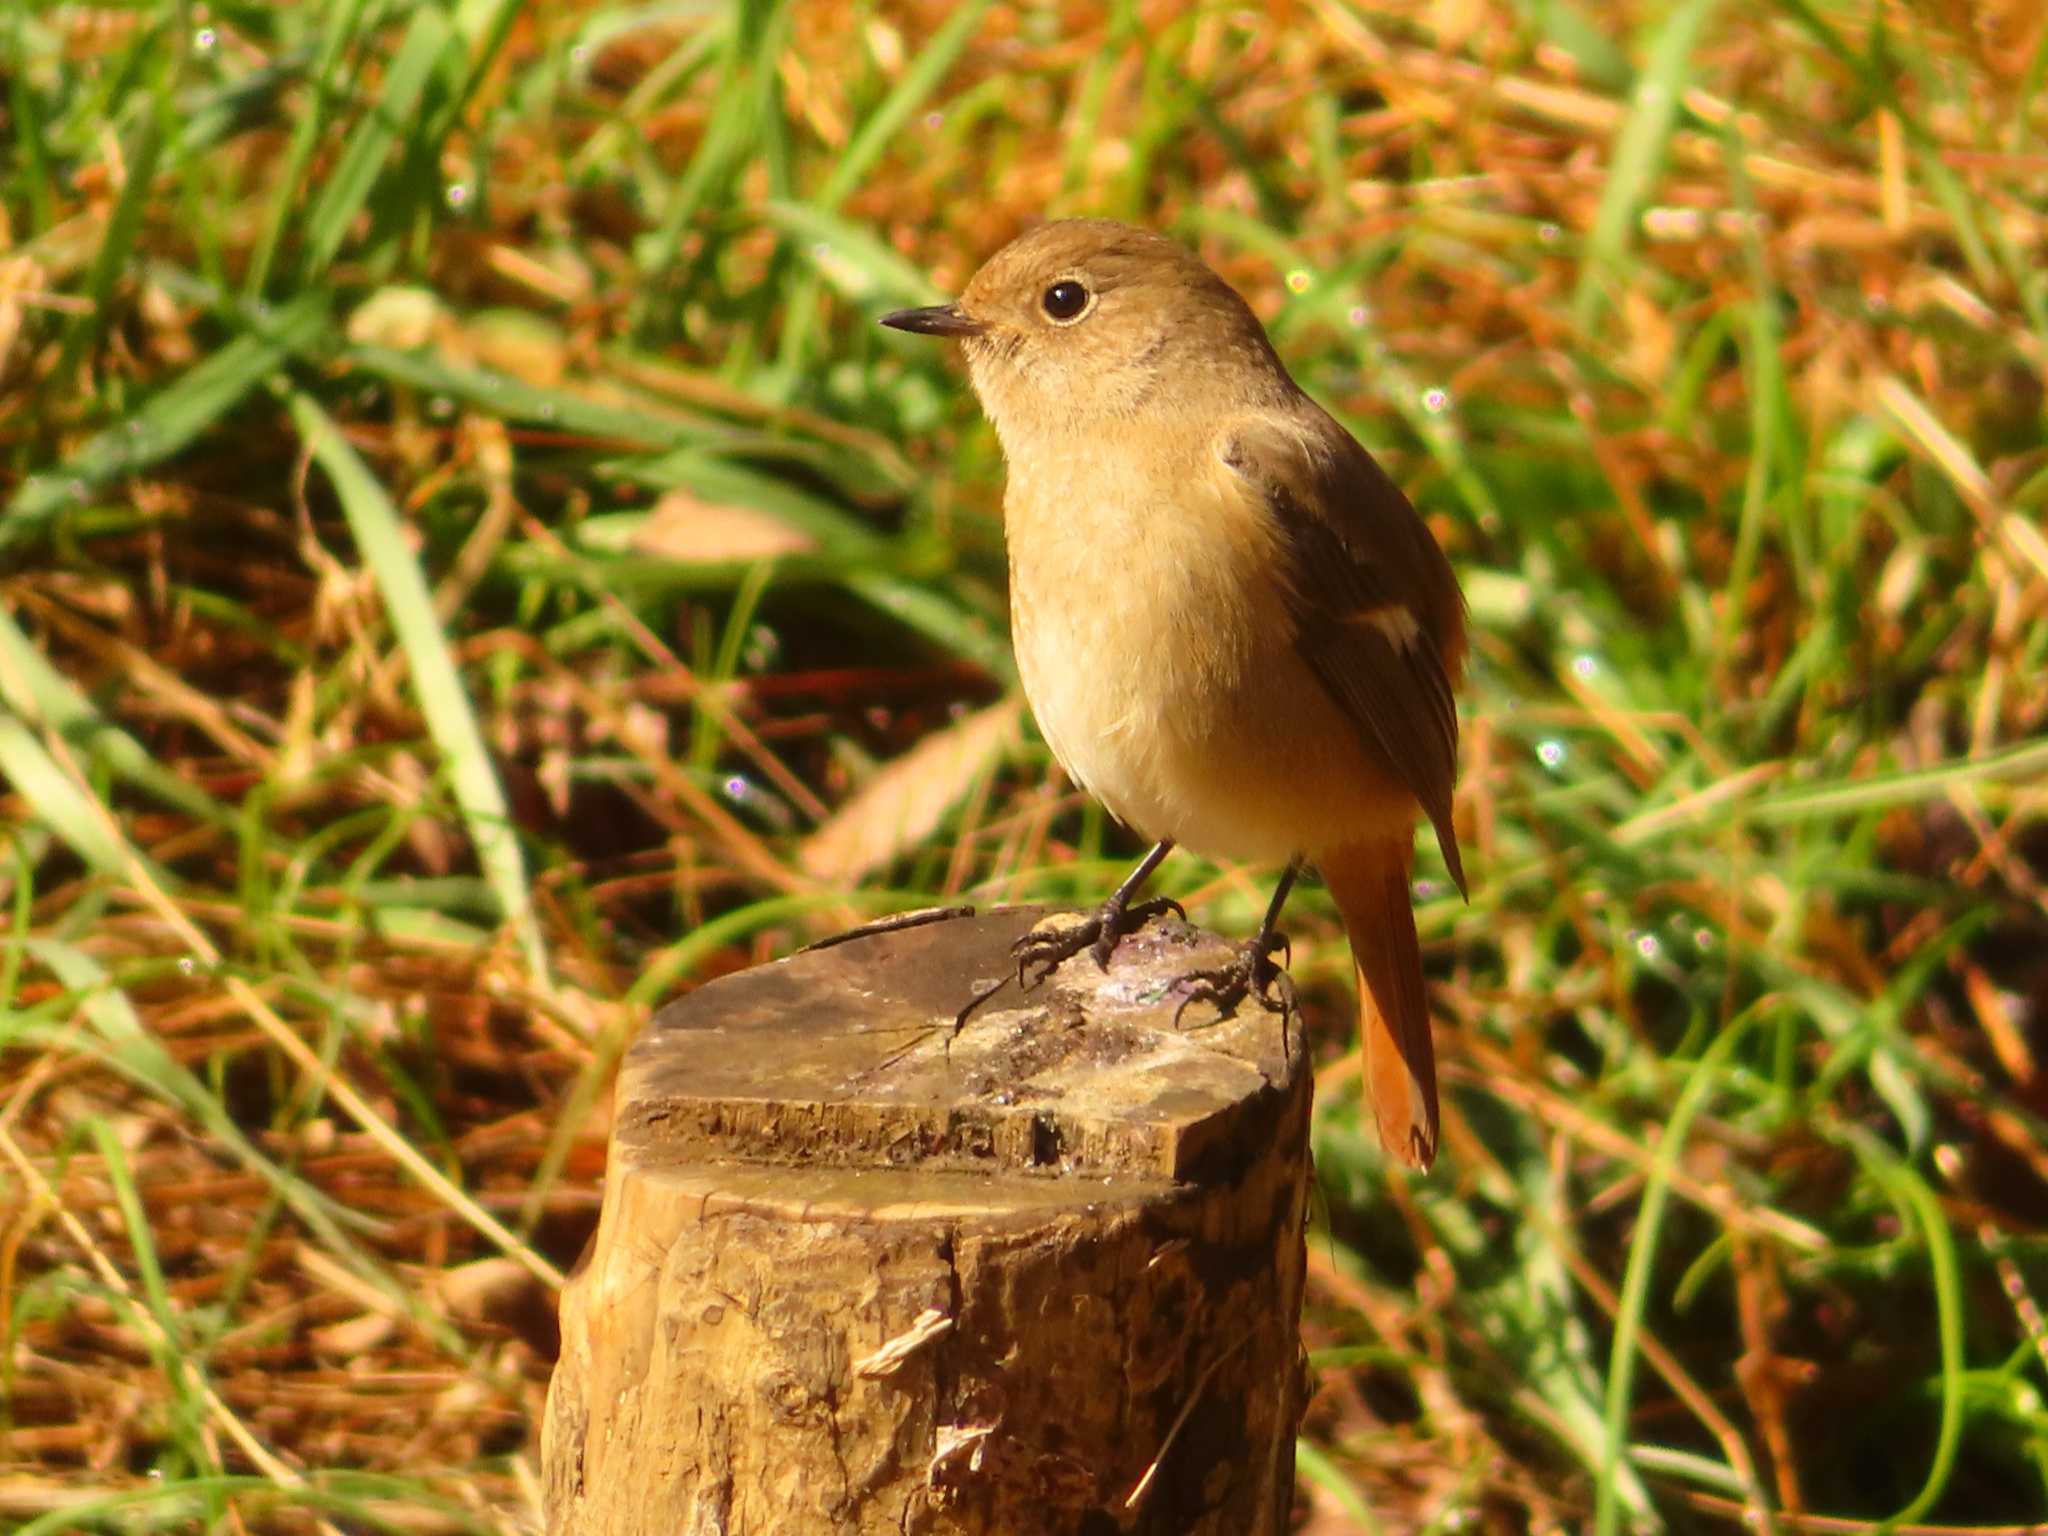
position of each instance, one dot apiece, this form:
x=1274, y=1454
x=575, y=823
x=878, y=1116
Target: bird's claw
x=1251, y=973
x=1099, y=932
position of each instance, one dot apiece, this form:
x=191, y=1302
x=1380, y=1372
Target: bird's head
x=1078, y=325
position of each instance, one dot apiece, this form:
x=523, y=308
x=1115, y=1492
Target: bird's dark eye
x=1065, y=299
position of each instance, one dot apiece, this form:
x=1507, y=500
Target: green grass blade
x=853, y=164
x=1639, y=152
x=1766, y=378
x=800, y=307
x=348, y=188
x=36, y=176
x=362, y=1500
x=849, y=256
x=140, y=158
x=482, y=26
x=745, y=98
x=130, y=1050
x=1704, y=1078
x=1881, y=84
x=559, y=410
x=1913, y=1194
x=443, y=702
x=56, y=801
x=342, y=19
x=1880, y=790
x=40, y=694
x=937, y=616
x=1312, y=1464
x=172, y=417
x=128, y=1200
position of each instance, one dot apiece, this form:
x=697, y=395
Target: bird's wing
x=1377, y=612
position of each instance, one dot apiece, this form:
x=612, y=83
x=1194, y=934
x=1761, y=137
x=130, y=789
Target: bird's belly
x=1167, y=685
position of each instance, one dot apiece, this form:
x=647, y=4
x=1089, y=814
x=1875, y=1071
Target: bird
x=1232, y=627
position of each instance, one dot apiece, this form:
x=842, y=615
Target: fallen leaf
x=683, y=526
x=902, y=804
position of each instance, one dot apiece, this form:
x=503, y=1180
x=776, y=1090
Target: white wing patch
x=1396, y=621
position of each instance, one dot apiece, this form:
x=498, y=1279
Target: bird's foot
x=1100, y=931
x=1251, y=973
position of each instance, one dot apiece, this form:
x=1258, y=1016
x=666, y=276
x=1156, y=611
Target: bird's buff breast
x=1157, y=654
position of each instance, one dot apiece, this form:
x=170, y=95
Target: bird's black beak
x=938, y=320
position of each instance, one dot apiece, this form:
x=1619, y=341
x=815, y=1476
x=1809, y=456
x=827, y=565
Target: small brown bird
x=1234, y=630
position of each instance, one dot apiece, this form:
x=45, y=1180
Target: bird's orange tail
x=1370, y=881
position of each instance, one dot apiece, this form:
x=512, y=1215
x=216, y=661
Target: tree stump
x=855, y=1274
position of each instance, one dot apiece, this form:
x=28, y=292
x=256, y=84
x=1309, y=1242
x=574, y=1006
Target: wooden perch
x=856, y=1275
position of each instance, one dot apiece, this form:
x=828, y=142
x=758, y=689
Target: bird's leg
x=1099, y=931
x=1252, y=973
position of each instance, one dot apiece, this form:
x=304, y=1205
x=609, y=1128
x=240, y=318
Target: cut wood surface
x=855, y=1273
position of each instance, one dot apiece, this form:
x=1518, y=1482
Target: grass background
x=471, y=567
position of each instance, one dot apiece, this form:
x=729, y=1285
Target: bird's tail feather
x=1370, y=882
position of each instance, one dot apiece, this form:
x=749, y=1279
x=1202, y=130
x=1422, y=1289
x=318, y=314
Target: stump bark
x=856, y=1275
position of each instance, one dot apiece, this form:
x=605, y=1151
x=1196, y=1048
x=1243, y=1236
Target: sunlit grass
x=471, y=567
